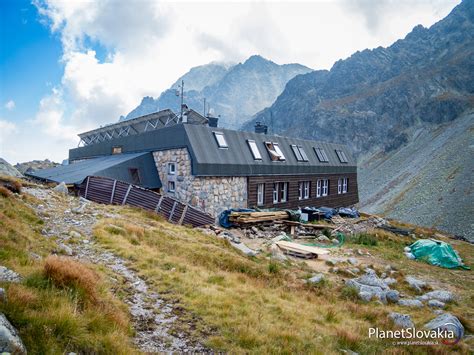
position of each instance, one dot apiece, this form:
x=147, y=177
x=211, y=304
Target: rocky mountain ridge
x=369, y=99
x=405, y=111
x=234, y=92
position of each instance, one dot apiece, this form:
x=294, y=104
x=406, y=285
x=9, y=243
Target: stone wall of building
x=212, y=194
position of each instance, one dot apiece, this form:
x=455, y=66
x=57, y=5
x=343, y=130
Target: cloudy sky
x=67, y=66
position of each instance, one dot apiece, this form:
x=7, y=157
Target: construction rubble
x=287, y=233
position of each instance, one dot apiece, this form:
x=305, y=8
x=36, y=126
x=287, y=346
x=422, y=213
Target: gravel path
x=69, y=218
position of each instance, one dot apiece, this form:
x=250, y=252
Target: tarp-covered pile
x=436, y=253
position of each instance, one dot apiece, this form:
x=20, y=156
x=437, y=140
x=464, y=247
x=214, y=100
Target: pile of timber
x=301, y=251
x=256, y=217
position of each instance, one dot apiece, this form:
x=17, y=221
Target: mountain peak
x=256, y=59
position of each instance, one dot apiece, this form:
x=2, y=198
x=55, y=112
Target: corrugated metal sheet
x=113, y=166
x=110, y=191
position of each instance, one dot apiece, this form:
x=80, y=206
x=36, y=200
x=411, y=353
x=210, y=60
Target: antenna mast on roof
x=271, y=121
x=182, y=99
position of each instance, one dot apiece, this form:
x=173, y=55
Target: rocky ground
x=35, y=165
x=70, y=222
x=427, y=182
x=8, y=170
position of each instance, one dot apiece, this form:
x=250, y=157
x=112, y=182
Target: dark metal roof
x=236, y=160
x=113, y=166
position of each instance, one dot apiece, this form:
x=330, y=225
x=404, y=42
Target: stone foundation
x=212, y=194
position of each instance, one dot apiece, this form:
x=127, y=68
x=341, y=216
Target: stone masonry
x=212, y=194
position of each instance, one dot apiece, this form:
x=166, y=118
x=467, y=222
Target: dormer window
x=274, y=151
x=254, y=149
x=220, y=139
x=300, y=154
x=322, y=156
x=341, y=155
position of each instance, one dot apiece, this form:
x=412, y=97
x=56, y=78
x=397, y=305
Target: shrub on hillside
x=67, y=273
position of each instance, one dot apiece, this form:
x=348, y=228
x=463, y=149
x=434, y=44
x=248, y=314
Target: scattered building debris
x=255, y=217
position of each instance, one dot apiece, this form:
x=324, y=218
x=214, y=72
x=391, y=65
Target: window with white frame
x=254, y=149
x=306, y=189
x=299, y=152
x=280, y=192
x=325, y=189
x=171, y=168
x=321, y=154
x=260, y=194
x=275, y=192
x=274, y=151
x=342, y=185
x=220, y=139
x=171, y=186
x=322, y=187
x=283, y=191
x=303, y=190
x=341, y=155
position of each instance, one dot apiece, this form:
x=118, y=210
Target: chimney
x=261, y=128
x=212, y=121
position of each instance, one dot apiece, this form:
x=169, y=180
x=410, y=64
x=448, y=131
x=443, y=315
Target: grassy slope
x=252, y=304
x=234, y=303
x=60, y=305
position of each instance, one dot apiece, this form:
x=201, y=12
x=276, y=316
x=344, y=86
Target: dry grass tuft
x=4, y=192
x=22, y=295
x=11, y=183
x=67, y=273
x=348, y=339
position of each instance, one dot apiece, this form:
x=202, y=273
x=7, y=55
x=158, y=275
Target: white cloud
x=149, y=44
x=10, y=105
x=6, y=128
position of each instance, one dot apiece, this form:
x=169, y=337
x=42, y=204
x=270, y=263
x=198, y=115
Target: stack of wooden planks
x=301, y=251
x=256, y=217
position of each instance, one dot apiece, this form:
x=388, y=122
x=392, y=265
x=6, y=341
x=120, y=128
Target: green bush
x=365, y=239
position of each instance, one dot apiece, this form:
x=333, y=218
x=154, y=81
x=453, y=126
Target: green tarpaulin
x=436, y=253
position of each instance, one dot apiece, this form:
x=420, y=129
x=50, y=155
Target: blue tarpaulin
x=348, y=212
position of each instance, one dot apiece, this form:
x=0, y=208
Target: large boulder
x=370, y=286
x=10, y=342
x=7, y=275
x=440, y=295
x=61, y=188
x=410, y=303
x=416, y=284
x=446, y=321
x=401, y=320
x=316, y=279
x=8, y=170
